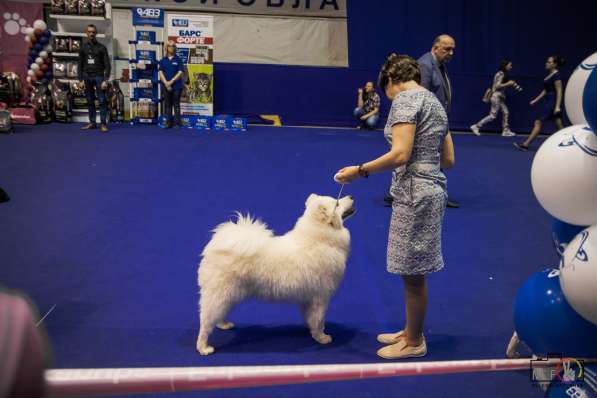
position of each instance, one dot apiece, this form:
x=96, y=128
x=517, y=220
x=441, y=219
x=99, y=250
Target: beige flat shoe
x=390, y=338
x=401, y=351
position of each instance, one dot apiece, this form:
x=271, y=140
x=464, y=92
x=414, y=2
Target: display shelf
x=77, y=34
x=150, y=68
x=60, y=54
x=79, y=17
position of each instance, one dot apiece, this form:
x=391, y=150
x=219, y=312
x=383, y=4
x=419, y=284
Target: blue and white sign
x=148, y=16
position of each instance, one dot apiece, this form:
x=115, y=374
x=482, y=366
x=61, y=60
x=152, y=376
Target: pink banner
x=15, y=18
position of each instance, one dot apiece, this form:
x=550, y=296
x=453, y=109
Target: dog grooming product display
x=78, y=7
x=61, y=44
x=71, y=7
x=78, y=94
x=98, y=7
x=41, y=100
x=57, y=7
x=84, y=7
x=143, y=82
x=62, y=102
x=72, y=69
x=75, y=44
x=59, y=68
x=116, y=102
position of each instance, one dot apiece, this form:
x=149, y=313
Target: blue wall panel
x=485, y=31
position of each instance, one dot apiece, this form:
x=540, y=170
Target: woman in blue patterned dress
x=552, y=93
x=420, y=145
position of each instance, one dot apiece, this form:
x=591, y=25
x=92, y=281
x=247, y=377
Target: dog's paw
x=205, y=350
x=323, y=338
x=225, y=325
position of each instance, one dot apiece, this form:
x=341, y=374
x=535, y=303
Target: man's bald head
x=443, y=48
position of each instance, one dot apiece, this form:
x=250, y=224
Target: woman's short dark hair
x=398, y=69
x=503, y=63
x=559, y=61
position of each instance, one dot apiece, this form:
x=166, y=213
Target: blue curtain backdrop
x=485, y=31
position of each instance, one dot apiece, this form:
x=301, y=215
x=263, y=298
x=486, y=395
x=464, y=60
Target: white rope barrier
x=77, y=382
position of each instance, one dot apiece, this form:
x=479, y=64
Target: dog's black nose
x=350, y=196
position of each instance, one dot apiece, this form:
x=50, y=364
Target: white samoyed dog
x=305, y=266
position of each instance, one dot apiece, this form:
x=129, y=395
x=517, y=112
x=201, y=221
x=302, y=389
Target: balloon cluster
x=556, y=310
x=39, y=59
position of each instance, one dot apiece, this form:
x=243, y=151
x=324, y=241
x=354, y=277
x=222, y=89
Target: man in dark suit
x=434, y=75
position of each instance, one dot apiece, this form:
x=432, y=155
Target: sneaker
x=104, y=128
x=89, y=126
x=520, y=147
x=475, y=129
x=402, y=351
x=508, y=133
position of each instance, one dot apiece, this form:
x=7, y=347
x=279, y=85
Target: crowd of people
x=434, y=77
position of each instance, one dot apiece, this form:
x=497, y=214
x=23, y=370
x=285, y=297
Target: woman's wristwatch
x=363, y=172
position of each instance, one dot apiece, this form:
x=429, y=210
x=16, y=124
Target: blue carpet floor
x=108, y=229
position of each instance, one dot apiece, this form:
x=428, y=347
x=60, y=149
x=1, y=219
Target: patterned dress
x=418, y=187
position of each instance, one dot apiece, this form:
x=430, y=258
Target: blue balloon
x=589, y=100
x=47, y=33
x=44, y=40
x=562, y=233
x=547, y=323
x=38, y=47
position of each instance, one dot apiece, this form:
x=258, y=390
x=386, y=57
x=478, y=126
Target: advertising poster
x=193, y=35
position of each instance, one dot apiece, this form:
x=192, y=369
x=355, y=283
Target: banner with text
x=194, y=37
x=148, y=17
x=313, y=8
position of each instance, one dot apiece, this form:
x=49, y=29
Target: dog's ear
x=322, y=213
x=310, y=199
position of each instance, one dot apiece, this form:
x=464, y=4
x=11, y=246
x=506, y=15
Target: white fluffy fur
x=305, y=266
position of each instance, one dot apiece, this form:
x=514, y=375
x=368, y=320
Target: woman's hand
x=364, y=117
x=557, y=110
x=532, y=102
x=347, y=174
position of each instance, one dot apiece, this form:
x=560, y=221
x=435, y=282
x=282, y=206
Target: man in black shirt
x=94, y=72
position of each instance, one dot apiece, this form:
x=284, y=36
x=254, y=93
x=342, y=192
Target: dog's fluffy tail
x=243, y=237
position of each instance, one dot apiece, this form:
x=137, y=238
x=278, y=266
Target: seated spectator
x=367, y=110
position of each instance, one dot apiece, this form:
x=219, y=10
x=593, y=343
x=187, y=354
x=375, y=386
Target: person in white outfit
x=501, y=82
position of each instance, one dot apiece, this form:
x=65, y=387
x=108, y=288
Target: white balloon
x=39, y=24
x=578, y=274
x=30, y=72
x=43, y=54
x=48, y=47
x=564, y=175
x=34, y=67
x=27, y=39
x=28, y=79
x=29, y=32
x=39, y=61
x=573, y=97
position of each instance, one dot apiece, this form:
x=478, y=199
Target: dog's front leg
x=315, y=317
